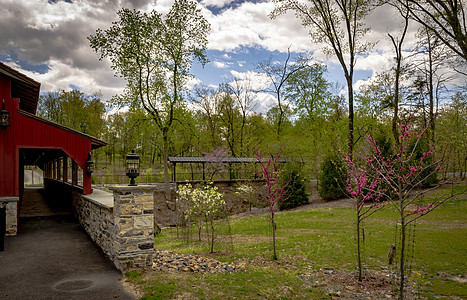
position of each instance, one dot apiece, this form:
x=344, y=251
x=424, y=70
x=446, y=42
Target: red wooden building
x=59, y=151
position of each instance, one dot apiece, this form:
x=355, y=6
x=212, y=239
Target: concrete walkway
x=53, y=258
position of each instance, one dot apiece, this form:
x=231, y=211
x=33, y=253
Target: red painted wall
x=26, y=132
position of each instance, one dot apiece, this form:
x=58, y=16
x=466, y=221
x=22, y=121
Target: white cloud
x=55, y=34
x=220, y=64
x=265, y=103
x=216, y=3
x=249, y=25
x=257, y=81
x=192, y=82
x=375, y=62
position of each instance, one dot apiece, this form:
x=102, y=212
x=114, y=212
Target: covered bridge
x=204, y=161
x=26, y=139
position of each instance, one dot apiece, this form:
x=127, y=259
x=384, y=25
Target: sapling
x=402, y=174
x=276, y=192
x=246, y=191
x=367, y=190
x=200, y=204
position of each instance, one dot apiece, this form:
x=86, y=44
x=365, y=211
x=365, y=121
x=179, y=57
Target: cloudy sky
x=47, y=40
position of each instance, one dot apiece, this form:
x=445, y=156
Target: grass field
x=312, y=240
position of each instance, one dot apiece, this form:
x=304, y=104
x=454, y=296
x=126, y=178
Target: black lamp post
x=4, y=117
x=132, y=171
x=89, y=165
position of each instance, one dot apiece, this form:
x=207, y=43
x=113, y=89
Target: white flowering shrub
x=247, y=192
x=202, y=204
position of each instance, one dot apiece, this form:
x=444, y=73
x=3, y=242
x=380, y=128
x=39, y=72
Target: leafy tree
x=154, y=53
x=229, y=117
x=49, y=107
x=452, y=133
x=74, y=109
x=376, y=98
x=308, y=89
x=397, y=42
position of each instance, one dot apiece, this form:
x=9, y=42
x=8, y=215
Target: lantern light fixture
x=132, y=161
x=89, y=165
x=4, y=117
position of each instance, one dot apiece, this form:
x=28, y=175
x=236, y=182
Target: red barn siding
x=29, y=132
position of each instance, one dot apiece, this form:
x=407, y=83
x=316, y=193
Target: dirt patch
x=345, y=285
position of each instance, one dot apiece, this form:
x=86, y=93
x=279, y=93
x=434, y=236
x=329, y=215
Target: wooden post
x=54, y=169
x=65, y=169
x=2, y=228
x=59, y=169
x=74, y=173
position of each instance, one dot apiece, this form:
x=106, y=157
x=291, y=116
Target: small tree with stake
x=401, y=174
x=276, y=192
x=365, y=187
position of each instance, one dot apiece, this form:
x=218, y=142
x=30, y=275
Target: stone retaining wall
x=125, y=232
x=11, y=214
x=97, y=220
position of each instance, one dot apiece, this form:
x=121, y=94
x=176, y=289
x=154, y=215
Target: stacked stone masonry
x=97, y=220
x=125, y=232
x=11, y=214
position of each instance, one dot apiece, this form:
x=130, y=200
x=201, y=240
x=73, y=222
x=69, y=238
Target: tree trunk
x=274, y=256
x=359, y=257
x=431, y=91
x=166, y=167
x=200, y=227
x=212, y=236
x=350, y=91
x=402, y=261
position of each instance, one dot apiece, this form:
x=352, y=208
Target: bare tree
x=337, y=23
x=445, y=18
x=245, y=98
x=278, y=76
x=397, y=43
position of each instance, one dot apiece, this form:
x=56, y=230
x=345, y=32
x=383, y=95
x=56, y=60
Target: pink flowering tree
x=397, y=179
x=366, y=189
x=276, y=192
x=216, y=160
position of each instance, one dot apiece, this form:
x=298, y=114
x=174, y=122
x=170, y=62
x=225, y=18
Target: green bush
x=296, y=189
x=332, y=178
x=421, y=147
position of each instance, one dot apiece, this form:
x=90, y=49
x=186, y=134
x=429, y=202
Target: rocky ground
x=172, y=261
x=338, y=284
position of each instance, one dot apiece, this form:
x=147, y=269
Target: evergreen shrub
x=296, y=188
x=332, y=178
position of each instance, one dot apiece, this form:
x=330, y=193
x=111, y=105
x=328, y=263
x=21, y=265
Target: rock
x=164, y=260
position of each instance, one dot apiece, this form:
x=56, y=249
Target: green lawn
x=310, y=240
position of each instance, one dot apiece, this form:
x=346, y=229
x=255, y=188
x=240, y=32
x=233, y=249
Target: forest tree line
x=158, y=116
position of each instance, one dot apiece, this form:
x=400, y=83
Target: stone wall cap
x=9, y=199
x=101, y=198
x=138, y=188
